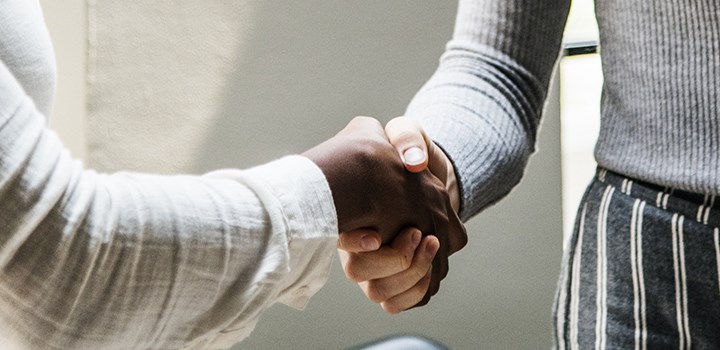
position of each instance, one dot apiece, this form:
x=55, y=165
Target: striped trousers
x=641, y=270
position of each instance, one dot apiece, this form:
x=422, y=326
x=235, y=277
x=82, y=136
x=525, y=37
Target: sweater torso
x=660, y=105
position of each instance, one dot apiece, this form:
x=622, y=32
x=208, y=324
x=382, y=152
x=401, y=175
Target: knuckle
x=405, y=260
x=419, y=273
x=352, y=271
x=458, y=235
x=360, y=119
x=462, y=239
x=374, y=151
x=394, y=123
x=353, y=275
x=391, y=308
x=376, y=292
x=407, y=136
x=400, y=122
x=366, y=120
x=345, y=243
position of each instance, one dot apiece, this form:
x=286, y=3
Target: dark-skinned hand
x=398, y=275
x=373, y=192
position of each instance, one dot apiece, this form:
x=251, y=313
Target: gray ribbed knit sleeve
x=484, y=102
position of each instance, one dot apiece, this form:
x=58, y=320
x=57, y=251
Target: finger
x=439, y=271
x=366, y=124
x=440, y=262
x=408, y=298
x=384, y=262
x=410, y=141
x=457, y=234
x=451, y=184
x=380, y=290
x=358, y=241
x=439, y=163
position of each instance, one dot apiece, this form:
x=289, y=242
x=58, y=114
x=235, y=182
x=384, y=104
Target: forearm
x=484, y=102
x=94, y=260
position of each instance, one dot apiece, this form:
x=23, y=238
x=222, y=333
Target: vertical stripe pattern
x=575, y=284
x=637, y=275
x=561, y=301
x=601, y=301
x=638, y=278
x=626, y=186
x=707, y=210
x=678, y=245
x=704, y=210
x=716, y=240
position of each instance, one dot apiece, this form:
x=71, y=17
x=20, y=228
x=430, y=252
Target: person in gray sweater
x=642, y=268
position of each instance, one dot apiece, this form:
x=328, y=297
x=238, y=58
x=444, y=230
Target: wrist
x=340, y=169
x=451, y=185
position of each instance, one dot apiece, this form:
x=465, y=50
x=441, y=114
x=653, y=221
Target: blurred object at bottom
x=401, y=342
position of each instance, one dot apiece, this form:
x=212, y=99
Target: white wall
x=299, y=72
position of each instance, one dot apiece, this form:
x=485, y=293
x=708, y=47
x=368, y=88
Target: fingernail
x=432, y=248
x=414, y=156
x=368, y=243
x=416, y=236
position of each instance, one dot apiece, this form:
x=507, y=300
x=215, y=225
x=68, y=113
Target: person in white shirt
x=128, y=260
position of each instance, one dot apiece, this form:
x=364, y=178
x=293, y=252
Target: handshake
x=396, y=200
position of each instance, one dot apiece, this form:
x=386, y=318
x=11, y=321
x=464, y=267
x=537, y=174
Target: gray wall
x=67, y=25
x=303, y=70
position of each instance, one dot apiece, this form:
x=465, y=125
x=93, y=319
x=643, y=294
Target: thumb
x=409, y=139
x=360, y=240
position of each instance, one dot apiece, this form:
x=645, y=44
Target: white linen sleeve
x=129, y=260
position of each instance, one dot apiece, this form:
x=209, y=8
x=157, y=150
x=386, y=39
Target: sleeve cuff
x=307, y=206
x=307, y=201
x=304, y=194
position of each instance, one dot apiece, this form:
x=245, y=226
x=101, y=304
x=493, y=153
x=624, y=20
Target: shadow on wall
x=310, y=66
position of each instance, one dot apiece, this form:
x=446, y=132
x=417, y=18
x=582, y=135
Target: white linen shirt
x=128, y=260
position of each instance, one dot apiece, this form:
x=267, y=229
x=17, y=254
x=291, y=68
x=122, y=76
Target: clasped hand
x=397, y=218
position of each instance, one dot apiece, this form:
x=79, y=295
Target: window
x=580, y=86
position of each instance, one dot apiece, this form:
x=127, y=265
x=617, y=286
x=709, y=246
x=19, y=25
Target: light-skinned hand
x=397, y=275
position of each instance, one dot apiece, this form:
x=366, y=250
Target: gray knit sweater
x=660, y=105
